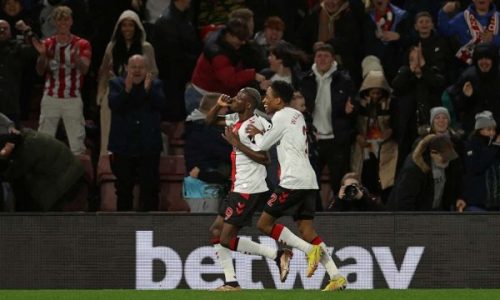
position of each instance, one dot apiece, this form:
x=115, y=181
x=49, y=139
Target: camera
x=350, y=192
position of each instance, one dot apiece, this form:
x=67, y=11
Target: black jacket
x=341, y=88
x=177, y=48
x=414, y=188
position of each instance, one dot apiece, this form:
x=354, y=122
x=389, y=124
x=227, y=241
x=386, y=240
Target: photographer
x=353, y=196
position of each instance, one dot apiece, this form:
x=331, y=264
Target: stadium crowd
x=401, y=99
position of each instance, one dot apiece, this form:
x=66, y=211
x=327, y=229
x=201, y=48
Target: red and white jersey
x=247, y=176
x=63, y=79
x=289, y=130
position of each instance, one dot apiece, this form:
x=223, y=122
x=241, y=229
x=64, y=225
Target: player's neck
x=245, y=115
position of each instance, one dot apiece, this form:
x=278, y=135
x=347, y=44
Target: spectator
x=12, y=12
x=417, y=88
x=219, y=68
x=177, y=48
x=328, y=91
x=435, y=49
x=135, y=137
x=482, y=163
x=210, y=163
x=478, y=23
x=284, y=64
x=386, y=34
x=128, y=38
x=334, y=22
x=14, y=56
x=271, y=35
x=353, y=196
x=64, y=60
x=375, y=152
x=426, y=181
x=42, y=171
x=477, y=89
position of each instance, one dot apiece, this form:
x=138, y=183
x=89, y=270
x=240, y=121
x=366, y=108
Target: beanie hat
x=371, y=63
x=484, y=119
x=439, y=110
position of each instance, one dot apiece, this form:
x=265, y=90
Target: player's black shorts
x=300, y=204
x=239, y=208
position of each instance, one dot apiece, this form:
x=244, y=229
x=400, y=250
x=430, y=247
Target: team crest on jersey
x=229, y=213
x=271, y=200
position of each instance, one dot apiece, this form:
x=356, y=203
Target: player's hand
x=148, y=81
x=252, y=131
x=224, y=100
x=230, y=136
x=460, y=205
x=128, y=82
x=467, y=89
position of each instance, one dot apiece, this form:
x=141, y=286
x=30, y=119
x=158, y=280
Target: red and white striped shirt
x=63, y=79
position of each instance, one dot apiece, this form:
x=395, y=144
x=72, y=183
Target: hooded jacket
x=383, y=112
x=106, y=70
x=414, y=188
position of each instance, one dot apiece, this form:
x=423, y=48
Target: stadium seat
x=171, y=177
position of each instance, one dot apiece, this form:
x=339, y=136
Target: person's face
x=490, y=132
x=482, y=4
x=323, y=61
x=380, y=5
x=440, y=123
x=272, y=35
x=127, y=28
x=63, y=24
x=274, y=63
x=424, y=25
x=298, y=102
x=375, y=94
x=137, y=68
x=240, y=102
x=4, y=31
x=12, y=7
x=438, y=159
x=485, y=64
x=234, y=41
x=332, y=5
x=271, y=103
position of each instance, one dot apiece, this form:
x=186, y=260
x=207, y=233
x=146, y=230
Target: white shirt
x=289, y=131
x=247, y=176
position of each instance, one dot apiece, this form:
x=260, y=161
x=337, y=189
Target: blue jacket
x=135, y=118
x=458, y=26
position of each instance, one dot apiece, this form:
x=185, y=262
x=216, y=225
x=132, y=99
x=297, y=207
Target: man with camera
x=353, y=196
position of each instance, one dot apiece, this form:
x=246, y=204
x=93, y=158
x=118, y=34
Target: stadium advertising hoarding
x=160, y=251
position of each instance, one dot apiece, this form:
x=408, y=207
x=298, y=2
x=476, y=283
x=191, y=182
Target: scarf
x=475, y=28
x=328, y=32
x=384, y=21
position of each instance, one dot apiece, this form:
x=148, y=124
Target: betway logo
x=193, y=269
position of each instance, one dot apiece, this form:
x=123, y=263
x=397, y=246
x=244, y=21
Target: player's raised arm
x=213, y=117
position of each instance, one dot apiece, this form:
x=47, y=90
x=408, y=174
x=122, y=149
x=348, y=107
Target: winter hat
x=439, y=110
x=484, y=119
x=443, y=144
x=371, y=63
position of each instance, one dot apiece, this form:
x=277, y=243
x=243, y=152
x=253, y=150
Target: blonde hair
x=61, y=12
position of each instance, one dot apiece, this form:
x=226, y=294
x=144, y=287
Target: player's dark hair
x=282, y=90
x=253, y=95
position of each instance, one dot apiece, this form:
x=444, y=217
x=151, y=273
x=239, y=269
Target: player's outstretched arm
x=213, y=117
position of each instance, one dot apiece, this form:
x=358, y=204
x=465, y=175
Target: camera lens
x=350, y=192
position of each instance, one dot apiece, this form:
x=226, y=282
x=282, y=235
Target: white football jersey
x=289, y=131
x=247, y=176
